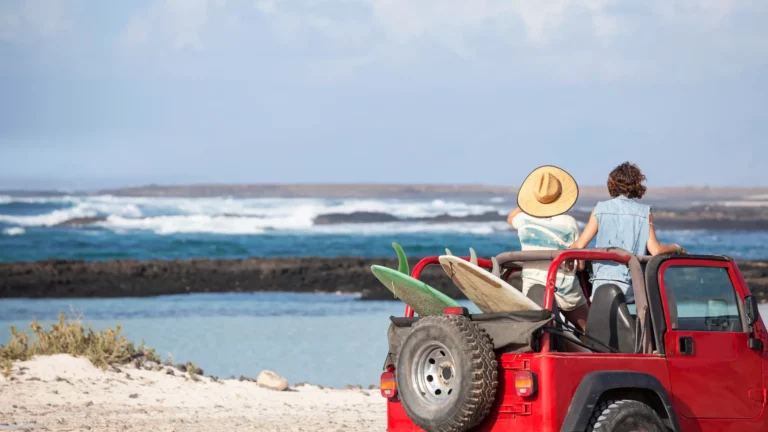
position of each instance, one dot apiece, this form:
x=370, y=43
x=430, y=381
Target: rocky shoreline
x=130, y=278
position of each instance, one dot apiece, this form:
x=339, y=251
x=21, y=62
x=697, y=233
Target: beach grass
x=102, y=348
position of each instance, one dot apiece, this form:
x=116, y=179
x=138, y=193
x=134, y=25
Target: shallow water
x=324, y=339
x=320, y=338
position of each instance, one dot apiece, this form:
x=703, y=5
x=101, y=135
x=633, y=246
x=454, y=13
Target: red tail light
x=456, y=311
x=388, y=383
x=525, y=383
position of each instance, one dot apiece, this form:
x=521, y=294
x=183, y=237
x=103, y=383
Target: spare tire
x=447, y=373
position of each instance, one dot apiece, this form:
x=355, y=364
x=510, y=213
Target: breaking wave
x=250, y=216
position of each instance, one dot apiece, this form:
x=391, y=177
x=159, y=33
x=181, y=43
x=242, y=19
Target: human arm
x=512, y=215
x=587, y=235
x=656, y=248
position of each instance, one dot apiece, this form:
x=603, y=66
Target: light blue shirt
x=624, y=223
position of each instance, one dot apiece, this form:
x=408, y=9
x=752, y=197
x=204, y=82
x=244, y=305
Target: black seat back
x=609, y=320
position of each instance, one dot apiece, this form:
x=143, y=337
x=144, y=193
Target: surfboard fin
x=448, y=252
x=472, y=256
x=402, y=261
x=495, y=270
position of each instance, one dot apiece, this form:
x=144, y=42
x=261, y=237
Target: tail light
x=388, y=384
x=456, y=311
x=525, y=383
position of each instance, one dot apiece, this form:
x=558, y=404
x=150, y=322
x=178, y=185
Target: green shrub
x=102, y=348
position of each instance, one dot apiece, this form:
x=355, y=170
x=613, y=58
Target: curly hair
x=626, y=179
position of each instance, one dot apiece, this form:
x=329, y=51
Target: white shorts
x=567, y=299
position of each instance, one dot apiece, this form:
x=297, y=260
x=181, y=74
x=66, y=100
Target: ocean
x=321, y=338
x=37, y=228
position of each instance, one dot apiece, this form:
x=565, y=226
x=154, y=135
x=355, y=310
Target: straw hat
x=548, y=191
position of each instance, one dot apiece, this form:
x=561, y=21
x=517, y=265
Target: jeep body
x=698, y=361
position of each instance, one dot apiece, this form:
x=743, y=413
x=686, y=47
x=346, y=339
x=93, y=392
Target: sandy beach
x=65, y=393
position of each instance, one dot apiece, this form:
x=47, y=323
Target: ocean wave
x=278, y=213
x=86, y=209
x=14, y=231
x=414, y=227
x=252, y=226
x=186, y=224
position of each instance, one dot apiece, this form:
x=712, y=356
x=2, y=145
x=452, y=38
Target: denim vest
x=623, y=223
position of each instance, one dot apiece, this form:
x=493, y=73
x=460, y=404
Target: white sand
x=64, y=393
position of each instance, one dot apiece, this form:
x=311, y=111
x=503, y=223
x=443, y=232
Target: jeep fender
x=594, y=384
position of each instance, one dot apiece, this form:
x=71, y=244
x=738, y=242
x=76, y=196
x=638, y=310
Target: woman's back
x=622, y=223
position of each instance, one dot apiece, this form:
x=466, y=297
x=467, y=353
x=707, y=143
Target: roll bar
x=435, y=260
x=512, y=260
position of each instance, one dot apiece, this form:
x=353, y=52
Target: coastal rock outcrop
x=130, y=278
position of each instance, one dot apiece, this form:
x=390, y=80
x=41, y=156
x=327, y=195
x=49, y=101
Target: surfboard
x=486, y=290
x=422, y=298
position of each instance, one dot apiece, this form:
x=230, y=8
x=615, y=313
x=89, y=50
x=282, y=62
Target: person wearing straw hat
x=545, y=195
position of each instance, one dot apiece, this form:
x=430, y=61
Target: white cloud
x=177, y=23
x=564, y=39
x=604, y=39
x=48, y=17
x=38, y=18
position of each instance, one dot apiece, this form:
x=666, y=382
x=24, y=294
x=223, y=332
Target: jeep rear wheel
x=625, y=416
x=447, y=374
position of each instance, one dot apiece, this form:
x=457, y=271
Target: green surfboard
x=422, y=298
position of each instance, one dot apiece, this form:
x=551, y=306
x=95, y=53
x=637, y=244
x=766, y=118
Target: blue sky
x=102, y=94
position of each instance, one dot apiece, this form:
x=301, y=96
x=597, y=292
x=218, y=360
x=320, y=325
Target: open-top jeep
x=687, y=355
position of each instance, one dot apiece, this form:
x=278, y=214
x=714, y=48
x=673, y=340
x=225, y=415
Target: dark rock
x=133, y=396
x=352, y=387
x=82, y=221
x=131, y=278
x=356, y=217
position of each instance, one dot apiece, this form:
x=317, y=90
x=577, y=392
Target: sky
x=105, y=94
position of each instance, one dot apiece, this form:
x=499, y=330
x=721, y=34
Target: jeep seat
x=609, y=320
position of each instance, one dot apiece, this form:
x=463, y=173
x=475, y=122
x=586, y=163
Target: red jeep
x=686, y=356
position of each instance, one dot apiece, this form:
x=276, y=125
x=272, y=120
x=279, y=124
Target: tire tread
x=478, y=347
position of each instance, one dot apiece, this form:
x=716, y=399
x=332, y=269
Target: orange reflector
x=525, y=383
x=456, y=311
x=388, y=384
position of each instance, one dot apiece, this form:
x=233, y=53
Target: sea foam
x=224, y=215
x=14, y=231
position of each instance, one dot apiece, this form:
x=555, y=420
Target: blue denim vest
x=623, y=223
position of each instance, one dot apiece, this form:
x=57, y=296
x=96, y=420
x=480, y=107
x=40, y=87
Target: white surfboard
x=489, y=292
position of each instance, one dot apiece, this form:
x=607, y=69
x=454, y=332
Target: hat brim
x=526, y=198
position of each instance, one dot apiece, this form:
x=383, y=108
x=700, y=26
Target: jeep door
x=713, y=372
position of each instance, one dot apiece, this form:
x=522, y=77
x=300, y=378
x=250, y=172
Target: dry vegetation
x=102, y=348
